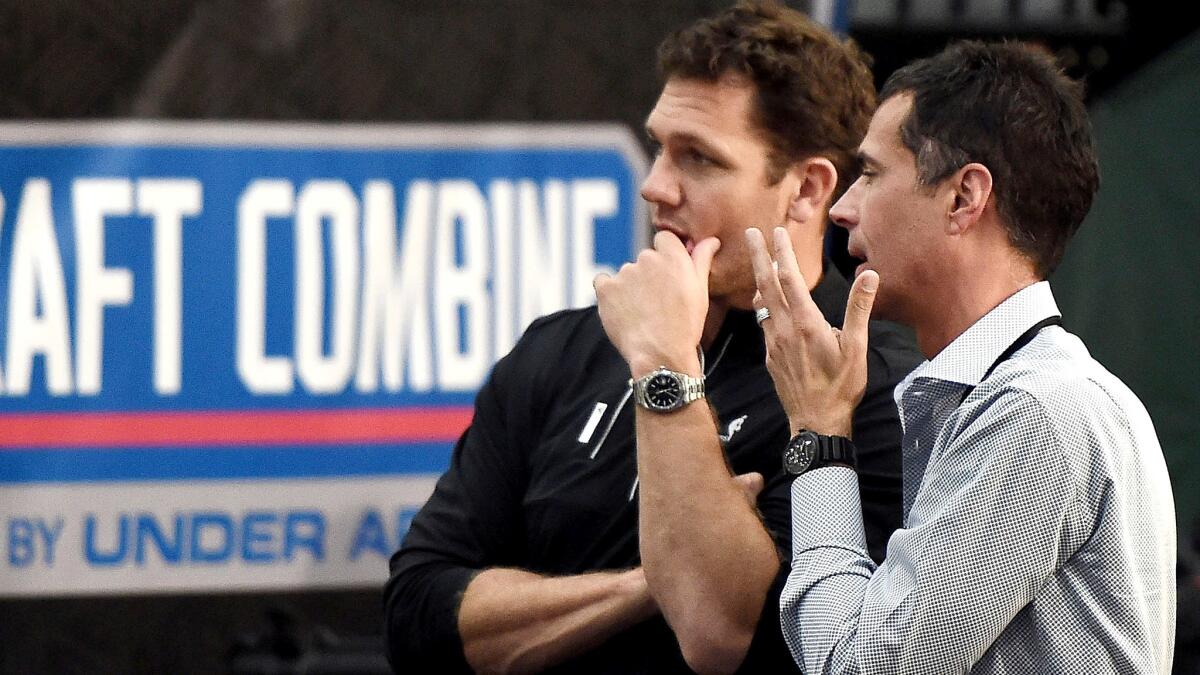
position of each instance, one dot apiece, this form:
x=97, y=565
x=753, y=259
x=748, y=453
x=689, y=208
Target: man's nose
x=660, y=186
x=844, y=212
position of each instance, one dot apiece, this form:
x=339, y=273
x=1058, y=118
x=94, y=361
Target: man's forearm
x=515, y=621
x=708, y=558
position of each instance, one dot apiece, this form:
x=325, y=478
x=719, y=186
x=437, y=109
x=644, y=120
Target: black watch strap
x=808, y=450
x=835, y=450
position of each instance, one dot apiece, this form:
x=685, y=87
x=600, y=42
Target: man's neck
x=717, y=309
x=949, y=314
x=811, y=266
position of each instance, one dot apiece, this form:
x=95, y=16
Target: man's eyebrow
x=687, y=139
x=697, y=142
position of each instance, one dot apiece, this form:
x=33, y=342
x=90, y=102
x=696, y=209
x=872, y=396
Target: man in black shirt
x=574, y=534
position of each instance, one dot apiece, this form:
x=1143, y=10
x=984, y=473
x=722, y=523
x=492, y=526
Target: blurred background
x=1128, y=285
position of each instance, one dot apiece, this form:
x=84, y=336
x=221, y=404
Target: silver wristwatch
x=664, y=390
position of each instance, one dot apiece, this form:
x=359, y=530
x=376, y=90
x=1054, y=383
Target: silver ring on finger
x=762, y=314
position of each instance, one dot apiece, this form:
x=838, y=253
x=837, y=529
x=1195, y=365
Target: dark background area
x=458, y=60
x=387, y=61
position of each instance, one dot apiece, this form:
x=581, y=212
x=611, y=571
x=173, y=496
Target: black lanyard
x=1021, y=341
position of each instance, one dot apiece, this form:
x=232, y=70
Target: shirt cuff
x=827, y=510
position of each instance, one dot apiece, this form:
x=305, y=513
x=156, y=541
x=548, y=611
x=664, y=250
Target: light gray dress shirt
x=1039, y=526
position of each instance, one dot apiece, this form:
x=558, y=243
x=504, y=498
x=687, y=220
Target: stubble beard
x=730, y=288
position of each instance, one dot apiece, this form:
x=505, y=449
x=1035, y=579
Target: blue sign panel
x=225, y=302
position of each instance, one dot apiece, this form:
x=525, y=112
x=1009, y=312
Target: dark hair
x=1008, y=106
x=814, y=93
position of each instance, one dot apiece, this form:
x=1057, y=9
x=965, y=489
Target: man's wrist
x=808, y=450
x=633, y=582
x=642, y=365
x=842, y=425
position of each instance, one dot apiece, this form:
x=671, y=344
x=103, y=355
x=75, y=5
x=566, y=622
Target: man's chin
x=740, y=298
x=886, y=308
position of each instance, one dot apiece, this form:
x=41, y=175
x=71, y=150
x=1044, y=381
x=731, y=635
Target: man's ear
x=816, y=179
x=971, y=188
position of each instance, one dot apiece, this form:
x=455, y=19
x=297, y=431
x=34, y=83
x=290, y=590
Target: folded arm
x=515, y=621
x=457, y=599
x=709, y=559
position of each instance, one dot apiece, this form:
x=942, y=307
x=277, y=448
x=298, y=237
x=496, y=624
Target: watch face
x=663, y=391
x=800, y=452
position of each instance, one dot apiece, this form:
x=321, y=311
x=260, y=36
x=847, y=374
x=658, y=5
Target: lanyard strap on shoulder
x=1021, y=341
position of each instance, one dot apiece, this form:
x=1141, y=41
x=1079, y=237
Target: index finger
x=668, y=242
x=765, y=276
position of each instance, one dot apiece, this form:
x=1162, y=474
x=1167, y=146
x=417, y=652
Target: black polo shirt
x=544, y=480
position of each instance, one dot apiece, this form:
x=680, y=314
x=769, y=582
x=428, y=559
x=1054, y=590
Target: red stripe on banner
x=174, y=429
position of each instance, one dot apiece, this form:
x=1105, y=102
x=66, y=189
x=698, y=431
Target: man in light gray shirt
x=1039, y=528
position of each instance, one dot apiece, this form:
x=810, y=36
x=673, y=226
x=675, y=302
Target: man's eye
x=656, y=148
x=699, y=157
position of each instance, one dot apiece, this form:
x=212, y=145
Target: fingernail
x=871, y=282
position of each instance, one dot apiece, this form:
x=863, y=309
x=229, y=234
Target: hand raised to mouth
x=820, y=372
x=688, y=242
x=654, y=309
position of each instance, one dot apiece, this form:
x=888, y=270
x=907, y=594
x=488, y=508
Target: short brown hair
x=1008, y=106
x=814, y=93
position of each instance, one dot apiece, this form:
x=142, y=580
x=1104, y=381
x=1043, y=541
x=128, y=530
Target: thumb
x=858, y=307
x=751, y=484
x=702, y=256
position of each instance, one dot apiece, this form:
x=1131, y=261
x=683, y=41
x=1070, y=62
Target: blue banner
x=203, y=323
x=177, y=268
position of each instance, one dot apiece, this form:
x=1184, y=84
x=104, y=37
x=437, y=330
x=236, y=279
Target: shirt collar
x=968, y=357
